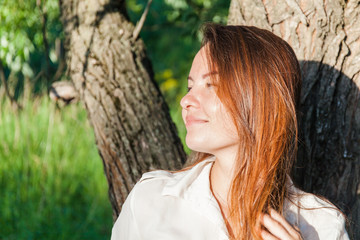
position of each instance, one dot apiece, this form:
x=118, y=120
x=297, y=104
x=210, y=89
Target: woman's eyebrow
x=209, y=74
x=204, y=75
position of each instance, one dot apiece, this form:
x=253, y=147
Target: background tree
x=326, y=40
x=108, y=64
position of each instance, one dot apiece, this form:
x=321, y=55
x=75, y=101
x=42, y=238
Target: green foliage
x=52, y=184
x=21, y=38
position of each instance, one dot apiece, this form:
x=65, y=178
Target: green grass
x=52, y=184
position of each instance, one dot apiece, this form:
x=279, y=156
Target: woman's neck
x=221, y=176
x=220, y=182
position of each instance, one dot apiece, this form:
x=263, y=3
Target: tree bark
x=110, y=70
x=325, y=36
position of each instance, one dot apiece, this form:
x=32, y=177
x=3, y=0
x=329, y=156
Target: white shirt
x=180, y=206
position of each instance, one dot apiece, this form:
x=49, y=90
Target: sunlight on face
x=208, y=124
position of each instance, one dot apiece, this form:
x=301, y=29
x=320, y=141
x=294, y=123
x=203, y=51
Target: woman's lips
x=190, y=120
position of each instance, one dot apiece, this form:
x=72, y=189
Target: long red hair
x=259, y=82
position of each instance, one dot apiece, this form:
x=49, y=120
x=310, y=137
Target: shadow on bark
x=329, y=123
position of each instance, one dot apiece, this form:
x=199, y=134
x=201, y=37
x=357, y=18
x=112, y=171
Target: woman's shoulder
x=316, y=217
x=150, y=181
x=159, y=177
x=152, y=184
x=143, y=204
x=172, y=183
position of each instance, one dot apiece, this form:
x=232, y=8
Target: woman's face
x=208, y=124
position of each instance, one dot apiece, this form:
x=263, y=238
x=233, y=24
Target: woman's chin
x=197, y=145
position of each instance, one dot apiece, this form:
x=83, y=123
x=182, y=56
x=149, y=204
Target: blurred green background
x=52, y=184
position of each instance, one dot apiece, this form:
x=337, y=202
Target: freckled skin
x=201, y=102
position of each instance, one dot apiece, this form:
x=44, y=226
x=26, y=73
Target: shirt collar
x=193, y=185
x=182, y=182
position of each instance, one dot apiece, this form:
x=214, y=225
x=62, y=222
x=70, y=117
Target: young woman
x=240, y=116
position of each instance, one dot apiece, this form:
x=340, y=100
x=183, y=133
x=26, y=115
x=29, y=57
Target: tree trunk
x=133, y=129
x=325, y=36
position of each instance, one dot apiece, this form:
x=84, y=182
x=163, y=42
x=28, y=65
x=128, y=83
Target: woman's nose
x=189, y=100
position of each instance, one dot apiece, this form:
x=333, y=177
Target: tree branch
x=140, y=24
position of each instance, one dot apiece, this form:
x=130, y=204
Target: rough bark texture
x=134, y=132
x=325, y=36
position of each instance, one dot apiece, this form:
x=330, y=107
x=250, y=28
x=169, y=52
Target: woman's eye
x=209, y=85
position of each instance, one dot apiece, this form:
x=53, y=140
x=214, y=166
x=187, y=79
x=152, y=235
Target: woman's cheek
x=229, y=130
